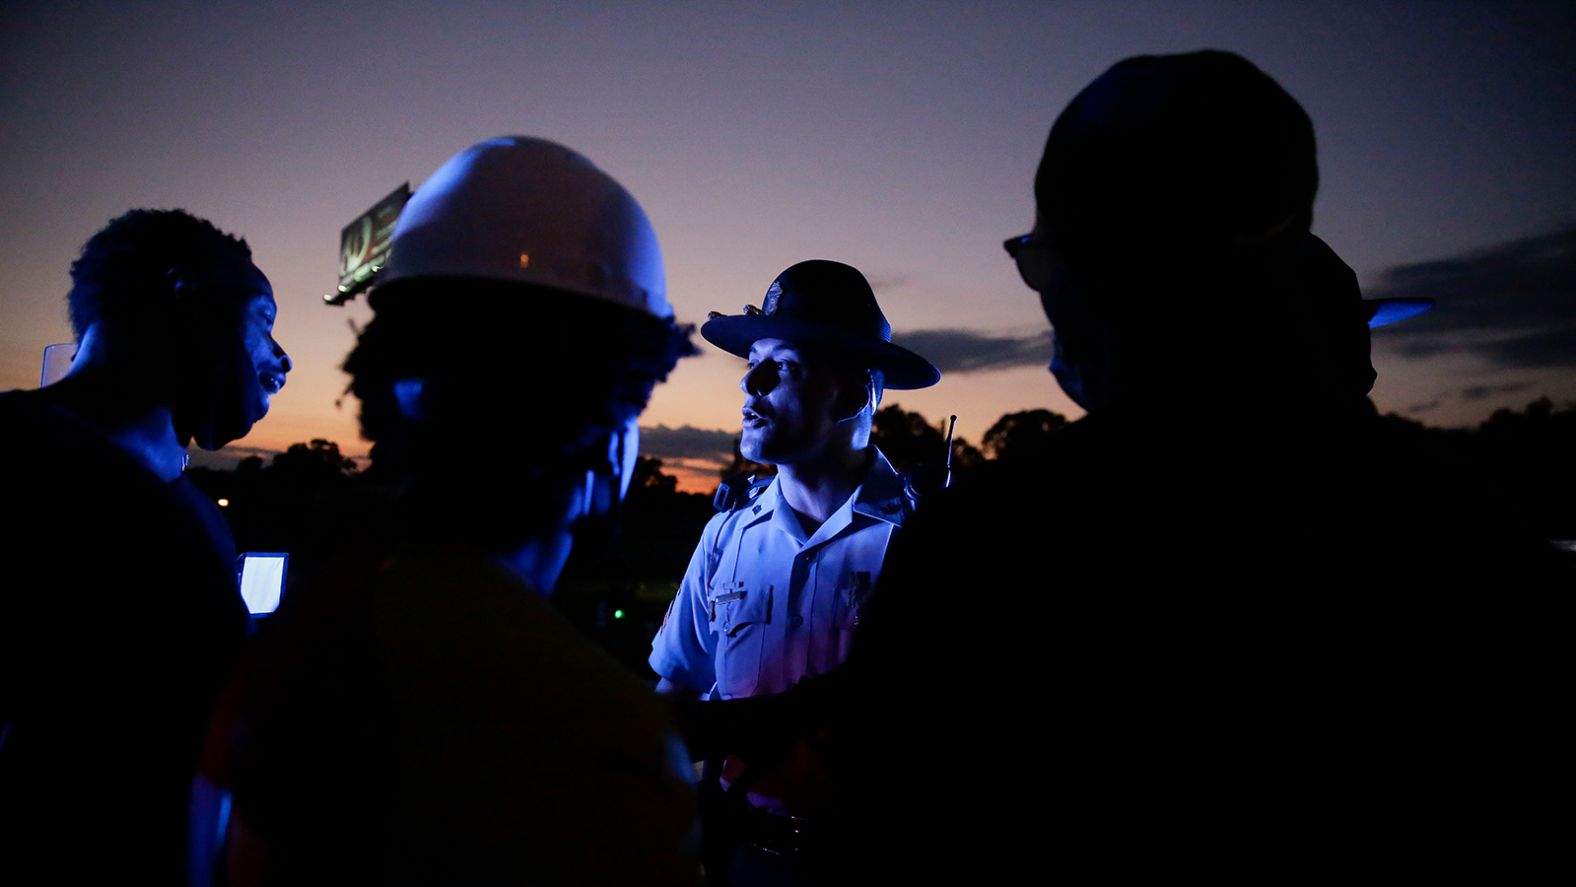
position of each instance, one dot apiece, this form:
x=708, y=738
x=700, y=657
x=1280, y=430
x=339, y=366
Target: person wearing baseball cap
x=780, y=577
x=1233, y=627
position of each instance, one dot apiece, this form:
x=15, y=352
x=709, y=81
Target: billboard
x=364, y=245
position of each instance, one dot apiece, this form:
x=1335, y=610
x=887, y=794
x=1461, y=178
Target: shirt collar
x=773, y=508
x=879, y=496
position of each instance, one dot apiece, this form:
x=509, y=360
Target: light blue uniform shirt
x=763, y=605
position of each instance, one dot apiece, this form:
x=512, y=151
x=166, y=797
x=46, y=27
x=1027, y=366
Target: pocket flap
x=734, y=605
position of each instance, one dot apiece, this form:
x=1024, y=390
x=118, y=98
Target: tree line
x=311, y=497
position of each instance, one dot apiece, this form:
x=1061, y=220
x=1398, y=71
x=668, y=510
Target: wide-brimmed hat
x=825, y=303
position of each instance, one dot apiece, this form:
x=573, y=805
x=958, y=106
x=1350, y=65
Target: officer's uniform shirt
x=763, y=604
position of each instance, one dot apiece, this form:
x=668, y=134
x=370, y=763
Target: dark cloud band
x=1512, y=305
x=968, y=351
x=687, y=442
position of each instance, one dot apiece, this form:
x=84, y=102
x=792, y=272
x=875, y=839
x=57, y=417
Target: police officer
x=776, y=584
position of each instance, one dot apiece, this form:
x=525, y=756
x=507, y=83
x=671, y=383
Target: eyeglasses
x=1033, y=256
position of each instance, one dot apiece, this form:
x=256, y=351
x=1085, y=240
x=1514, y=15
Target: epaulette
x=737, y=491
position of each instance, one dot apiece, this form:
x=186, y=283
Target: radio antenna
x=947, y=479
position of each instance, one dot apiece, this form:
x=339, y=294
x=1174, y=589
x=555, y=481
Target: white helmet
x=523, y=209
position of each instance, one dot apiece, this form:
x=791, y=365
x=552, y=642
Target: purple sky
x=899, y=137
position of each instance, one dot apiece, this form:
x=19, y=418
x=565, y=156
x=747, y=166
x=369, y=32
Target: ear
x=607, y=481
x=852, y=399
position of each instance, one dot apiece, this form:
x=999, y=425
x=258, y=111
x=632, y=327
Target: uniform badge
x=773, y=293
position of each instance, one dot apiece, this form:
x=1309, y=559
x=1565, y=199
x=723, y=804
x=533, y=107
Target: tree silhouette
x=313, y=462
x=1022, y=436
x=312, y=495
x=1528, y=455
x=911, y=443
x=648, y=476
x=908, y=439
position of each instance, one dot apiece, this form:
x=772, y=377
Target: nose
x=761, y=379
x=284, y=359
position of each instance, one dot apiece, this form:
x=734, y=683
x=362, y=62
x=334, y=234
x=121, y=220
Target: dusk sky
x=900, y=137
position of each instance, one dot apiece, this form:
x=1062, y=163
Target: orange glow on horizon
x=692, y=479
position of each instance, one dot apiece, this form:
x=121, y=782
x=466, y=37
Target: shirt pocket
x=740, y=615
x=853, y=591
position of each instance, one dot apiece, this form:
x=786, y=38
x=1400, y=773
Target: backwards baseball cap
x=1190, y=152
x=829, y=304
x=1169, y=160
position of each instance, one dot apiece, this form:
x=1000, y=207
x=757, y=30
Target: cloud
x=885, y=284
x=1511, y=305
x=1479, y=392
x=227, y=458
x=687, y=442
x=969, y=351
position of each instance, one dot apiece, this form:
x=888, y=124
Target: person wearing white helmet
x=425, y=715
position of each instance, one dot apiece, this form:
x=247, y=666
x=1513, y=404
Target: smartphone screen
x=57, y=360
x=263, y=580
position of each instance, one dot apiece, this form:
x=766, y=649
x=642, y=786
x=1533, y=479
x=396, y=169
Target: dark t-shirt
x=119, y=621
x=1234, y=651
x=426, y=718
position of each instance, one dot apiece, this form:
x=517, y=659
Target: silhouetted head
x=167, y=298
x=1185, y=159
x=819, y=354
x=519, y=329
x=1171, y=242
